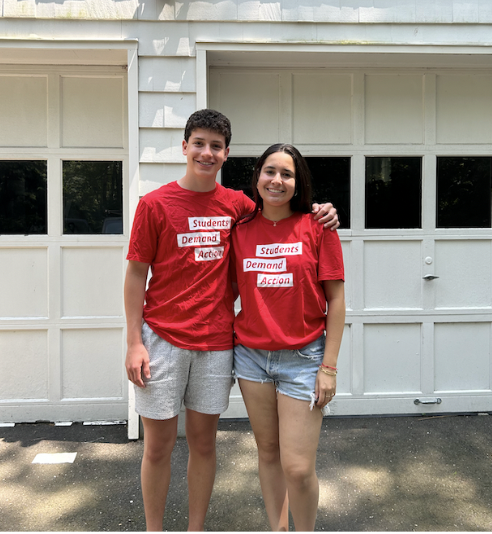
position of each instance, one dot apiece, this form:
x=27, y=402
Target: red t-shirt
x=185, y=236
x=279, y=268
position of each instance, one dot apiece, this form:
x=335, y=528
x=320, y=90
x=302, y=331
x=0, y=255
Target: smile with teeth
x=275, y=190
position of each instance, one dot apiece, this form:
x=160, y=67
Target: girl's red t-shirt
x=279, y=268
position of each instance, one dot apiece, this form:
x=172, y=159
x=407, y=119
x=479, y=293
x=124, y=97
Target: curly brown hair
x=209, y=119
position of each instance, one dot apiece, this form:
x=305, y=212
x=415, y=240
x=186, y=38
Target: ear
x=184, y=147
x=226, y=153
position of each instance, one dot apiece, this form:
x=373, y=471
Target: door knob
x=430, y=277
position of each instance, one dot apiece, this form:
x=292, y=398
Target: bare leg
x=159, y=440
x=299, y=437
x=261, y=403
x=201, y=432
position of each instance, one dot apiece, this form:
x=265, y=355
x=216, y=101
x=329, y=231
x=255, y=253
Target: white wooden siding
x=342, y=11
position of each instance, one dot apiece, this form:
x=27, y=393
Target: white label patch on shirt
x=270, y=266
x=278, y=249
x=209, y=254
x=209, y=223
x=275, y=280
x=198, y=239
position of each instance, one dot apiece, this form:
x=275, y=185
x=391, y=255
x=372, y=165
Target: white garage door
x=405, y=155
x=63, y=206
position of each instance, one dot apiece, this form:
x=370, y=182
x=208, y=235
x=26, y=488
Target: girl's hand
x=326, y=386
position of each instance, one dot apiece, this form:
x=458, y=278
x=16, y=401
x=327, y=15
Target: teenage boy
x=180, y=329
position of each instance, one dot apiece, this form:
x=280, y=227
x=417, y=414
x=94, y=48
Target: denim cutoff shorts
x=292, y=371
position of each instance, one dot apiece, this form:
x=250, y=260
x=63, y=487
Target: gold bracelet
x=329, y=373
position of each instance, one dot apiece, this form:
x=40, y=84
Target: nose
x=277, y=178
x=207, y=151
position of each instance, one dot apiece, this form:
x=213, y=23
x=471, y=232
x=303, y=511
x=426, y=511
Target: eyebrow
x=203, y=139
x=283, y=170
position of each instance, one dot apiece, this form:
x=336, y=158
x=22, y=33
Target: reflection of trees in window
x=23, y=197
x=393, y=192
x=92, y=197
x=464, y=189
x=330, y=180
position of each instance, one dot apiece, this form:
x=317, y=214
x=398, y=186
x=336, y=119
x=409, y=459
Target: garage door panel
x=24, y=282
x=392, y=274
x=392, y=356
x=329, y=99
x=251, y=100
x=92, y=282
x=394, y=111
x=464, y=269
x=92, y=363
x=464, y=108
x=462, y=357
x=24, y=365
x=92, y=112
x=24, y=111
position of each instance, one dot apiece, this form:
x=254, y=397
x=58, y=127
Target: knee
x=202, y=445
x=269, y=451
x=157, y=454
x=299, y=475
x=157, y=451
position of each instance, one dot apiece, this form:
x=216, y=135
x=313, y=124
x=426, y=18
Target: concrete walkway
x=376, y=474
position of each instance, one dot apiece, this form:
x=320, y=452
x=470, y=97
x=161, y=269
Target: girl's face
x=277, y=180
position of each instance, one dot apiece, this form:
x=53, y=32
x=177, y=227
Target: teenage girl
x=290, y=276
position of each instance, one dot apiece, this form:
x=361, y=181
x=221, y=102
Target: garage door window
x=92, y=197
x=330, y=180
x=464, y=192
x=393, y=192
x=23, y=197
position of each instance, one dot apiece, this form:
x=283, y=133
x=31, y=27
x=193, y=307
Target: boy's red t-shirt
x=185, y=236
x=279, y=268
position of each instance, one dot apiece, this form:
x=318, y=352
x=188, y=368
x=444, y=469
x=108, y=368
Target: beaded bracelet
x=328, y=367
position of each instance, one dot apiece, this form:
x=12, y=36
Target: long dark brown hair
x=302, y=199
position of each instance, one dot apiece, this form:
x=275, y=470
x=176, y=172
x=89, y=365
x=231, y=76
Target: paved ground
x=376, y=474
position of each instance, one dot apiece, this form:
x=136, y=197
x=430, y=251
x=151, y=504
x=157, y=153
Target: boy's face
x=205, y=152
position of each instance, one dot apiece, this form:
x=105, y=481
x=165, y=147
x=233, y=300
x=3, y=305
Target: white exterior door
x=416, y=223
x=64, y=231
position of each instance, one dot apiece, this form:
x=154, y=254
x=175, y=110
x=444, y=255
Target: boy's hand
x=327, y=215
x=137, y=364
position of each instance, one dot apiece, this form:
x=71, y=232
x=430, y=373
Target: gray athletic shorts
x=202, y=379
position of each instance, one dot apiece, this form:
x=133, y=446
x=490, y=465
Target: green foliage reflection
x=92, y=197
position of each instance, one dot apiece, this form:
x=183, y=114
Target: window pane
x=330, y=178
x=464, y=192
x=237, y=174
x=23, y=197
x=92, y=197
x=331, y=183
x=393, y=192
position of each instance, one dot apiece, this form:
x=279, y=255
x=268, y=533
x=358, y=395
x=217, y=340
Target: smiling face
x=205, y=153
x=277, y=185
